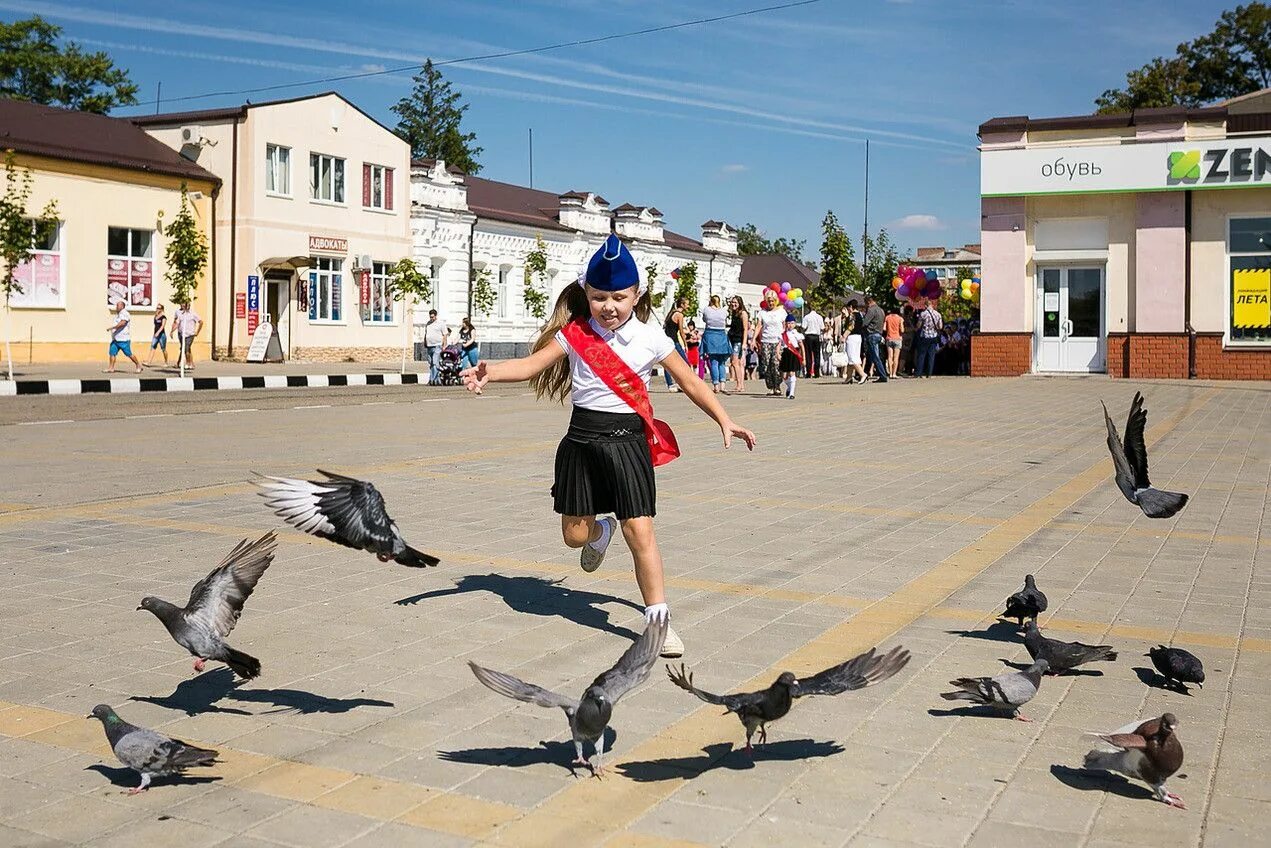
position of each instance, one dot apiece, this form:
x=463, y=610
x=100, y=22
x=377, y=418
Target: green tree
x=751, y=241
x=657, y=293
x=430, y=121
x=411, y=286
x=20, y=231
x=535, y=293
x=482, y=296
x=687, y=287
x=1232, y=60
x=35, y=65
x=186, y=252
x=839, y=273
x=881, y=258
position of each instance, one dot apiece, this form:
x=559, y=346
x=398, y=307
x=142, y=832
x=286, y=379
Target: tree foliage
x=751, y=241
x=535, y=292
x=430, y=120
x=657, y=293
x=839, y=273
x=687, y=287
x=20, y=231
x=1232, y=60
x=881, y=259
x=405, y=280
x=483, y=295
x=35, y=65
x=186, y=252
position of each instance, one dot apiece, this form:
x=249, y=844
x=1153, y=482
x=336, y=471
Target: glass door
x=1070, y=332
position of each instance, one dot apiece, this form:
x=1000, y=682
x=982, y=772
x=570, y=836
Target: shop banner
x=313, y=295
x=1251, y=298
x=253, y=321
x=337, y=295
x=364, y=287
x=240, y=304
x=40, y=281
x=142, y=286
x=253, y=293
x=116, y=281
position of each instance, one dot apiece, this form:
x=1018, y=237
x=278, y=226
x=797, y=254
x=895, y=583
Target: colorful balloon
x=798, y=303
x=774, y=287
x=931, y=275
x=896, y=282
x=975, y=285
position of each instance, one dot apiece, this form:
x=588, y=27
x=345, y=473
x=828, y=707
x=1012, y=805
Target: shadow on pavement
x=1150, y=677
x=201, y=695
x=725, y=755
x=1100, y=781
x=998, y=631
x=126, y=778
x=972, y=711
x=539, y=596
x=1074, y=672
x=549, y=753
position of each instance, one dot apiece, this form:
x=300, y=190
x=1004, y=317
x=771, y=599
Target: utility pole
x=531, y=157
x=865, y=232
x=158, y=94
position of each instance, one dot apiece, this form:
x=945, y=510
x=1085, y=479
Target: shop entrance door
x=277, y=307
x=1070, y=333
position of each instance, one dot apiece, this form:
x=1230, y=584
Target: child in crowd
x=793, y=355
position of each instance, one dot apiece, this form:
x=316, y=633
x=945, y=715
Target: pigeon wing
x=635, y=664
x=1135, y=448
x=857, y=673
x=519, y=690
x=736, y=703
x=344, y=510
x=1124, y=471
x=217, y=600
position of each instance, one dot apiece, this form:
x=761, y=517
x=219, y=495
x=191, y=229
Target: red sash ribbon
x=623, y=382
x=785, y=341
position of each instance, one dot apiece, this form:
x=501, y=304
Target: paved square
x=897, y=514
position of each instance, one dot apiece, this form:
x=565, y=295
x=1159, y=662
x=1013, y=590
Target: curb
x=124, y=386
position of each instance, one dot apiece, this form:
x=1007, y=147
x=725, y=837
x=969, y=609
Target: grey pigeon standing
x=1009, y=691
x=590, y=715
x=1063, y=656
x=1149, y=751
x=344, y=510
x=215, y=604
x=1130, y=460
x=1028, y=602
x=1178, y=666
x=147, y=752
x=757, y=709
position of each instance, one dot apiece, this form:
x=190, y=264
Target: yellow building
x=116, y=188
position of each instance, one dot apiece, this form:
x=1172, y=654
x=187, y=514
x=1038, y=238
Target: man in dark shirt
x=874, y=318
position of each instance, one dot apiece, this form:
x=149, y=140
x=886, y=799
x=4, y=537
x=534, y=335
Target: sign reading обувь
x=1147, y=166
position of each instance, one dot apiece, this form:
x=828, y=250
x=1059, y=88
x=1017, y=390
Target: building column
x=1004, y=345
x=1158, y=340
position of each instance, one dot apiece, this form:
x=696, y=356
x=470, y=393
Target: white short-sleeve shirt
x=124, y=333
x=813, y=323
x=772, y=322
x=638, y=344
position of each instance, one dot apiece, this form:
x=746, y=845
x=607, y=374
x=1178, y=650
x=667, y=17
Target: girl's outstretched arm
x=512, y=370
x=706, y=401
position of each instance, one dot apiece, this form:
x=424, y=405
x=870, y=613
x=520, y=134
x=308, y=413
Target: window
x=377, y=186
x=381, y=294
x=278, y=169
x=1249, y=245
x=129, y=269
x=503, y=294
x=434, y=275
x=326, y=178
x=325, y=295
x=40, y=279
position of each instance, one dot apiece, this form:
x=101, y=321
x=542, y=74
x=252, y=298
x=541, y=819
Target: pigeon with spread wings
x=590, y=715
x=215, y=604
x=347, y=511
x=1130, y=460
x=756, y=709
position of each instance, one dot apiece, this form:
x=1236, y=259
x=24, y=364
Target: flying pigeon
x=1130, y=459
x=147, y=752
x=757, y=709
x=1149, y=751
x=344, y=510
x=1063, y=656
x=1178, y=666
x=1010, y=691
x=1028, y=602
x=215, y=604
x=590, y=715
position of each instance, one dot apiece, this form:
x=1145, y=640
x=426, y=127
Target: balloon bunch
x=789, y=296
x=914, y=285
x=969, y=289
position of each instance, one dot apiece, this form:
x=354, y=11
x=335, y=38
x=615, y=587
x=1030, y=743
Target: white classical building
x=460, y=222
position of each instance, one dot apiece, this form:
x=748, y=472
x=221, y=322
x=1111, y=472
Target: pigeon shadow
x=539, y=596
x=1089, y=780
x=972, y=711
x=726, y=755
x=201, y=694
x=546, y=753
x=1150, y=677
x=998, y=631
x=1072, y=672
x=126, y=778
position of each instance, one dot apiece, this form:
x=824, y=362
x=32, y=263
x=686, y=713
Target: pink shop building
x=1133, y=244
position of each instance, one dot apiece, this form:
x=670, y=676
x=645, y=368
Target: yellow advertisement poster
x=1251, y=298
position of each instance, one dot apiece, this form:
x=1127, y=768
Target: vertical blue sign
x=253, y=293
x=313, y=295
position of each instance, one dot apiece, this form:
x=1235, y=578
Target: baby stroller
x=449, y=365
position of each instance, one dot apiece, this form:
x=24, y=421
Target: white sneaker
x=674, y=389
x=673, y=647
x=591, y=557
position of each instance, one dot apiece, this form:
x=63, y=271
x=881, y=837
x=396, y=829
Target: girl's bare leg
x=648, y=559
x=578, y=530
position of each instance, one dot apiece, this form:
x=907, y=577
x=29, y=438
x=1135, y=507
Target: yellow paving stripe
x=612, y=805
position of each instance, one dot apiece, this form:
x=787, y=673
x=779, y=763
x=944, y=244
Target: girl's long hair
x=554, y=382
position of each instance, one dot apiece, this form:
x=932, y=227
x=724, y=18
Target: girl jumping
x=598, y=350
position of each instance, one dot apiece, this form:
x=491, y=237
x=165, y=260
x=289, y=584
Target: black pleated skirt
x=789, y=361
x=603, y=466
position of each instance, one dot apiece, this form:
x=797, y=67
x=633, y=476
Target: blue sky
x=757, y=119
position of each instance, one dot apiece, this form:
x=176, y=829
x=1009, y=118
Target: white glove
x=657, y=612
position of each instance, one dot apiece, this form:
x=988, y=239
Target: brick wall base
x=1148, y=356
x=1001, y=354
x=1214, y=363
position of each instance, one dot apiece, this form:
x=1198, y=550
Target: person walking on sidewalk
x=436, y=336
x=715, y=345
x=186, y=324
x=893, y=328
x=468, y=341
x=927, y=340
x=598, y=351
x=874, y=321
x=853, y=341
x=673, y=326
x=813, y=327
x=121, y=337
x=159, y=339
x=771, y=321
x=793, y=354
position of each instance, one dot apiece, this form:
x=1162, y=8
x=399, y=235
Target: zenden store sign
x=1150, y=166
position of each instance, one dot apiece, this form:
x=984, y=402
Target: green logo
x=1184, y=165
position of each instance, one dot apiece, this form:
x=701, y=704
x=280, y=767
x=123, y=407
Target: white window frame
x=131, y=257
x=58, y=250
x=385, y=174
x=434, y=276
x=1227, y=341
x=330, y=273
x=338, y=168
x=381, y=274
x=503, y=293
x=278, y=163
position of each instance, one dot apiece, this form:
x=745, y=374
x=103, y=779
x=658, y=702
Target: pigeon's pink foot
x=1023, y=718
x=382, y=557
x=579, y=761
x=750, y=751
x=1174, y=801
x=199, y=663
x=136, y=790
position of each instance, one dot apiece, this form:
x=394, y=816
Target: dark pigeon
x=757, y=709
x=590, y=715
x=1178, y=666
x=1149, y=751
x=1130, y=460
x=344, y=510
x=1028, y=602
x=1008, y=691
x=215, y=605
x=147, y=752
x=1063, y=656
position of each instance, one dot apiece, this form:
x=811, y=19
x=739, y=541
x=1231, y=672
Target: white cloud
x=735, y=168
x=918, y=222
